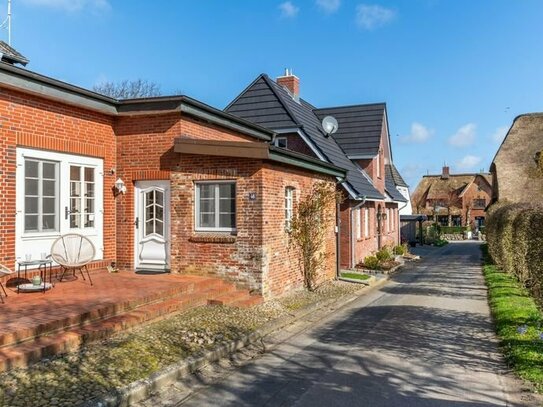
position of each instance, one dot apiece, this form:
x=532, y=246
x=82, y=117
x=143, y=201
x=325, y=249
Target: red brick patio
x=35, y=325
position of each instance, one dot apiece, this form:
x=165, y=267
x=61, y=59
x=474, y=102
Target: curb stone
x=144, y=388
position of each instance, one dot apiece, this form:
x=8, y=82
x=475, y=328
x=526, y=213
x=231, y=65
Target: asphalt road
x=424, y=339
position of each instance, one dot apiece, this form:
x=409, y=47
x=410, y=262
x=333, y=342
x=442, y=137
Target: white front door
x=152, y=209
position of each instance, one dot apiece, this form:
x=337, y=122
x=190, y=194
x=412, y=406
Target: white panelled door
x=152, y=209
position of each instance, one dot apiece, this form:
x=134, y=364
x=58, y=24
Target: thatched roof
x=516, y=174
x=439, y=188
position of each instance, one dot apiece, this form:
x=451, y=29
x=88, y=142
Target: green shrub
x=383, y=254
x=440, y=243
x=515, y=242
x=399, y=250
x=371, y=262
x=453, y=230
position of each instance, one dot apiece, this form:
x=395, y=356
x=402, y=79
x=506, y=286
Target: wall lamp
x=120, y=187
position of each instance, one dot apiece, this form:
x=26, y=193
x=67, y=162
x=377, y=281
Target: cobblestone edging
x=142, y=389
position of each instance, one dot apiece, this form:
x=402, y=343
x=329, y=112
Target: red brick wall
x=281, y=267
x=29, y=121
x=145, y=152
x=296, y=143
x=479, y=189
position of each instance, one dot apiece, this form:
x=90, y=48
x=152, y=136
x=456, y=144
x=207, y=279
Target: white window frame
x=217, y=228
x=37, y=243
x=289, y=207
x=278, y=139
x=40, y=196
x=379, y=164
x=366, y=222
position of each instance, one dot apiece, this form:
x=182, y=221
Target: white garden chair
x=4, y=271
x=73, y=252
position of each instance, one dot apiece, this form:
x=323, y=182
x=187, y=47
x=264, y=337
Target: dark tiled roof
x=398, y=180
x=11, y=55
x=390, y=185
x=275, y=108
x=360, y=127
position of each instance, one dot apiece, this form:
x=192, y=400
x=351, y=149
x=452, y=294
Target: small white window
x=289, y=206
x=357, y=223
x=379, y=164
x=388, y=220
x=366, y=222
x=280, y=142
x=216, y=206
x=41, y=195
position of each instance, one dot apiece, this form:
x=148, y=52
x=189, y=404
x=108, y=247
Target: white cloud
x=499, y=134
x=419, y=134
x=464, y=136
x=71, y=5
x=468, y=162
x=288, y=10
x=370, y=16
x=329, y=6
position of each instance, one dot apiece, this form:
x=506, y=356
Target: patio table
x=42, y=267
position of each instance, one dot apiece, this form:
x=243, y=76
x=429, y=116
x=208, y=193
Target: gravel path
x=99, y=368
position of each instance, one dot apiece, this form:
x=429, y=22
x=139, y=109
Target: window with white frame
x=357, y=223
x=289, y=206
x=366, y=222
x=40, y=195
x=216, y=206
x=82, y=205
x=379, y=164
x=388, y=219
x=280, y=142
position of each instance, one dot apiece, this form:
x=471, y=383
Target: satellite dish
x=329, y=125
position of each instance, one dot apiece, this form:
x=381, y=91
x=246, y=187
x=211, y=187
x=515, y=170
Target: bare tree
x=126, y=89
x=451, y=201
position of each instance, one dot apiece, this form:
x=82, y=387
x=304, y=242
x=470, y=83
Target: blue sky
x=454, y=74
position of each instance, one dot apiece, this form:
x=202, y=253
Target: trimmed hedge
x=515, y=241
x=452, y=230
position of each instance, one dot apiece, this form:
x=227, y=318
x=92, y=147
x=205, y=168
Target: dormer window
x=280, y=142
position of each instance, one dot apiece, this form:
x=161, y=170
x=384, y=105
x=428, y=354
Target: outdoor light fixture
x=120, y=187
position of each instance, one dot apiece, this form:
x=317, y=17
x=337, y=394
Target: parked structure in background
x=453, y=199
x=517, y=167
x=369, y=217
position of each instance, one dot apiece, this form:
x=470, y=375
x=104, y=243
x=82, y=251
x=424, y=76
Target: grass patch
x=518, y=322
x=355, y=276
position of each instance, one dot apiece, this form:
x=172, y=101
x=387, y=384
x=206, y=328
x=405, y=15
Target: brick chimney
x=445, y=173
x=291, y=82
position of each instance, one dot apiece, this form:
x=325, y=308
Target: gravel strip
x=99, y=368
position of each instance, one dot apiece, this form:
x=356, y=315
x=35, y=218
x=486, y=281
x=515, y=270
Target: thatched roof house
x=517, y=168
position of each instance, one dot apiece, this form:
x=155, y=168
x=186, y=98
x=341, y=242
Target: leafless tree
x=126, y=89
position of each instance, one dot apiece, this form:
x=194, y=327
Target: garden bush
x=383, y=254
x=515, y=242
x=453, y=230
x=400, y=250
x=371, y=262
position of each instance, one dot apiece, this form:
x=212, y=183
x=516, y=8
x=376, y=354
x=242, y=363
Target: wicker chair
x=4, y=271
x=73, y=252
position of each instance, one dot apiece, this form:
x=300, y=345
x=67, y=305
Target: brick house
x=206, y=191
x=369, y=216
x=453, y=199
x=514, y=169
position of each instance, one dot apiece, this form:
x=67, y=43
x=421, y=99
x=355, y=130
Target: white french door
x=57, y=193
x=152, y=223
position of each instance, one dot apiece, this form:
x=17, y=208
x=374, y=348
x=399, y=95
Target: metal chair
x=73, y=252
x=4, y=271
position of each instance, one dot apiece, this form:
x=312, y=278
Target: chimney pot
x=291, y=82
x=445, y=173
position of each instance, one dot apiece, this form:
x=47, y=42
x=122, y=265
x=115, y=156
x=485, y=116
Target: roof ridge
x=352, y=105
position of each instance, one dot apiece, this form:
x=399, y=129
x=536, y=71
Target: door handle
x=137, y=222
x=66, y=212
